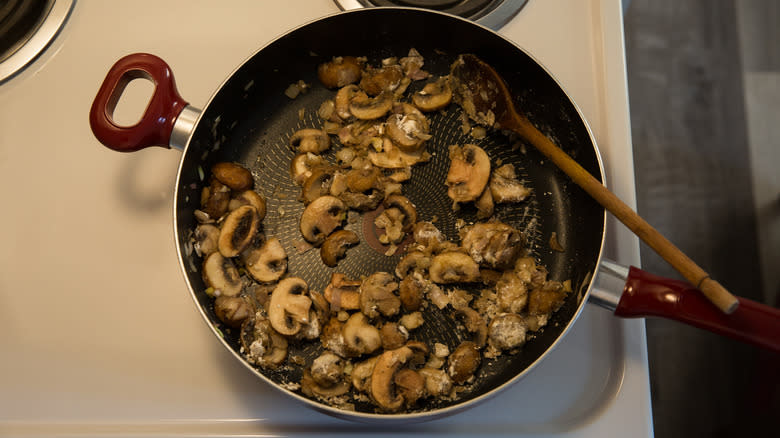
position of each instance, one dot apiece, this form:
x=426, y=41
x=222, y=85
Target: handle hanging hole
x=131, y=98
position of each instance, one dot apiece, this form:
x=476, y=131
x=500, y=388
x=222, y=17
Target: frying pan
x=249, y=120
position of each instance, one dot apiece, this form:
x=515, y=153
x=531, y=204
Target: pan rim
x=393, y=418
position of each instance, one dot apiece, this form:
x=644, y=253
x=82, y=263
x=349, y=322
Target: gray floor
x=704, y=85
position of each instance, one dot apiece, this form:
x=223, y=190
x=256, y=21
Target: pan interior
x=250, y=121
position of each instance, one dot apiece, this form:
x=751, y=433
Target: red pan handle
x=646, y=294
x=156, y=124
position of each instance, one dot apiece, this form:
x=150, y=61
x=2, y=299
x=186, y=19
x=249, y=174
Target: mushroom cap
x=238, y=230
x=494, y=244
x=321, y=217
x=377, y=295
x=434, y=96
x=360, y=337
x=288, y=308
x=335, y=246
x=340, y=71
x=268, y=262
x=383, y=79
x=221, y=274
x=310, y=140
x=468, y=174
x=366, y=108
x=453, y=267
x=233, y=175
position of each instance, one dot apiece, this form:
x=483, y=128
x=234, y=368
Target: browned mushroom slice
x=393, y=335
x=511, y=293
x=437, y=382
x=249, y=197
x=411, y=292
x=507, y=331
x=414, y=261
x=342, y=100
x=267, y=263
x=335, y=246
x=377, y=295
x=221, y=274
x=408, y=131
x=288, y=309
x=410, y=385
x=379, y=80
x=340, y=71
x=302, y=166
x=463, y=362
x=360, y=337
x=412, y=65
x=547, y=299
x=232, y=310
x=316, y=185
x=235, y=176
x=238, y=230
x=494, y=244
x=261, y=344
x=310, y=140
x=408, y=210
x=215, y=199
x=325, y=378
x=321, y=217
x=468, y=173
x=361, y=374
x=383, y=390
x=367, y=108
x=453, y=267
x=363, y=179
x=434, y=96
x=206, y=238
x=343, y=293
x=505, y=187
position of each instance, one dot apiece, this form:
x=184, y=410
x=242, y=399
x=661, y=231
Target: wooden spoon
x=484, y=96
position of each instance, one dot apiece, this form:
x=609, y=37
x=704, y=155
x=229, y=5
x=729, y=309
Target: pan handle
x=645, y=294
x=168, y=119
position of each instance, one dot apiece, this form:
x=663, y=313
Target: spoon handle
x=697, y=276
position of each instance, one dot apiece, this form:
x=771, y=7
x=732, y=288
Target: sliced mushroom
x=249, y=197
x=232, y=310
x=332, y=337
x=434, y=96
x=310, y=140
x=474, y=323
x=412, y=65
x=406, y=207
x=363, y=180
x=376, y=81
x=505, y=187
x=238, y=230
x=342, y=100
x=267, y=263
x=340, y=71
x=410, y=385
x=215, y=199
x=335, y=246
x=261, y=344
x=507, y=331
x=546, y=300
x=361, y=374
x=408, y=131
x=316, y=185
x=411, y=292
x=360, y=337
x=302, y=166
x=321, y=217
x=206, y=239
x=437, y=382
x=453, y=267
x=414, y=261
x=289, y=307
x=463, y=362
x=428, y=237
x=393, y=335
x=485, y=205
x=233, y=175
x=343, y=293
x=391, y=222
x=362, y=201
x=511, y=293
x=221, y=274
x=377, y=295
x=383, y=390
x=366, y=108
x=392, y=157
x=494, y=244
x=468, y=173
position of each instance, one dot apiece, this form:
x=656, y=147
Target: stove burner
x=27, y=27
x=490, y=13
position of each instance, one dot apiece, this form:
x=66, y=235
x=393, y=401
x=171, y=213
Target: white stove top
x=99, y=333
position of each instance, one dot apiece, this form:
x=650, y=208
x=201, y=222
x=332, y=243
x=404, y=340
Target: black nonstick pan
x=249, y=120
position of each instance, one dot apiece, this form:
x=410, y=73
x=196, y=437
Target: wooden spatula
x=484, y=96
